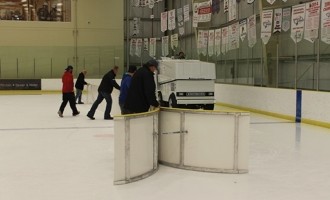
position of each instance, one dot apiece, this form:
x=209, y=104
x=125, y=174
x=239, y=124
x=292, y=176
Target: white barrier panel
x=136, y=146
x=208, y=141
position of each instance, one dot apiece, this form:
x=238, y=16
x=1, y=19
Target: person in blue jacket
x=125, y=84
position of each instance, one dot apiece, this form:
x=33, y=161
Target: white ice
x=45, y=157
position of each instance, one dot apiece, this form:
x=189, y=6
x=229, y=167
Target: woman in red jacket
x=68, y=92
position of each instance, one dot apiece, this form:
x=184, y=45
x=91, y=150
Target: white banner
x=325, y=23
x=224, y=39
x=243, y=29
x=138, y=49
x=266, y=25
x=211, y=43
x=225, y=6
x=136, y=3
x=132, y=47
x=297, y=22
x=286, y=19
x=205, y=11
x=277, y=20
x=232, y=13
x=252, y=31
x=174, y=41
x=217, y=42
x=163, y=21
x=152, y=47
x=146, y=44
x=136, y=26
x=186, y=13
x=271, y=1
x=233, y=36
x=312, y=20
x=151, y=3
x=249, y=1
x=205, y=39
x=164, y=46
x=179, y=13
x=171, y=20
x=195, y=14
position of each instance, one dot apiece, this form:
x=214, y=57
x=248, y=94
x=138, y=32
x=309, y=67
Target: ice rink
x=45, y=157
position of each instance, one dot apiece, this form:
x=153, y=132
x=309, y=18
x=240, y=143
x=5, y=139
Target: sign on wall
x=20, y=84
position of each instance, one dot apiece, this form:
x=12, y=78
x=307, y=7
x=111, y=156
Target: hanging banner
x=271, y=1
x=297, y=22
x=312, y=20
x=243, y=29
x=146, y=44
x=138, y=49
x=249, y=1
x=286, y=19
x=217, y=41
x=233, y=36
x=163, y=21
x=136, y=26
x=132, y=47
x=225, y=6
x=152, y=47
x=215, y=6
x=142, y=3
x=277, y=20
x=174, y=41
x=205, y=11
x=171, y=20
x=205, y=42
x=186, y=13
x=224, y=40
x=151, y=3
x=136, y=3
x=232, y=12
x=284, y=0
x=325, y=22
x=195, y=14
x=211, y=43
x=164, y=46
x=266, y=25
x=179, y=13
x=252, y=31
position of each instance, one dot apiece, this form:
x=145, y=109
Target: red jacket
x=67, y=80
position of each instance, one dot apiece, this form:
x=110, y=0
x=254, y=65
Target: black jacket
x=141, y=93
x=108, y=83
x=80, y=81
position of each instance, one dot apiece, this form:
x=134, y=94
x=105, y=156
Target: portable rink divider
x=207, y=141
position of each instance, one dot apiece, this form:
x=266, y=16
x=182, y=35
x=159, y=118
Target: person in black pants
x=104, y=92
x=80, y=86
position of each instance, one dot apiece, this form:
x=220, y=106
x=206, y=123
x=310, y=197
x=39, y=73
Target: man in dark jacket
x=80, y=86
x=124, y=85
x=104, y=92
x=141, y=94
x=68, y=93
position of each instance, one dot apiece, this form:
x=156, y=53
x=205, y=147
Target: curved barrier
x=136, y=146
x=209, y=141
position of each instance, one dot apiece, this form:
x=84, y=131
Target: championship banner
x=171, y=20
x=297, y=22
x=277, y=20
x=146, y=44
x=136, y=26
x=164, y=46
x=325, y=22
x=138, y=49
x=205, y=11
x=215, y=6
x=199, y=41
x=225, y=6
x=266, y=25
x=132, y=47
x=136, y=3
x=312, y=20
x=211, y=43
x=179, y=13
x=163, y=21
x=271, y=1
x=224, y=39
x=151, y=3
x=152, y=47
x=249, y=1
x=195, y=15
x=286, y=19
x=186, y=13
x=233, y=36
x=174, y=41
x=217, y=41
x=205, y=39
x=252, y=31
x=232, y=12
x=142, y=3
x=243, y=29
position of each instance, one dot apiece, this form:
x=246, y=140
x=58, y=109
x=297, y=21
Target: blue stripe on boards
x=298, y=106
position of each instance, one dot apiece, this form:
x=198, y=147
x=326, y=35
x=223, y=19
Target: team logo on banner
x=297, y=22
